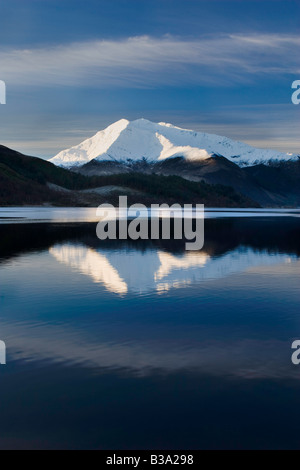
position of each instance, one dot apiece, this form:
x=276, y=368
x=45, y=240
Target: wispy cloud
x=148, y=61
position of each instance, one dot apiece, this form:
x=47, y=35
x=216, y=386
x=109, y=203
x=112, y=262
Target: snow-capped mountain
x=139, y=139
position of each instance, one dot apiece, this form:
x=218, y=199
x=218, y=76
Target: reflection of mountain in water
x=209, y=329
x=122, y=271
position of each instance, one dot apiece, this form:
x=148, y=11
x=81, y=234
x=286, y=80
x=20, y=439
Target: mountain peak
x=142, y=138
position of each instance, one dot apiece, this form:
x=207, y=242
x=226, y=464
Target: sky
x=72, y=67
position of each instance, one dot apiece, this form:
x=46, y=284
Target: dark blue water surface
x=143, y=345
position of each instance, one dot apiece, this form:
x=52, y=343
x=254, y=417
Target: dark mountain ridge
x=26, y=180
x=271, y=185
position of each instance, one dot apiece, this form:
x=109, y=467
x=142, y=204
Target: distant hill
x=26, y=180
x=281, y=181
x=271, y=185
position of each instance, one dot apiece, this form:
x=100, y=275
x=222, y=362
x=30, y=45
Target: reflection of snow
x=170, y=262
x=129, y=270
x=91, y=263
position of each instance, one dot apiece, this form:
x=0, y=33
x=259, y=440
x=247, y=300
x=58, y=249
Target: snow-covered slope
x=139, y=139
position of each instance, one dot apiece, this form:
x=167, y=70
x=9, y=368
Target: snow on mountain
x=139, y=139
